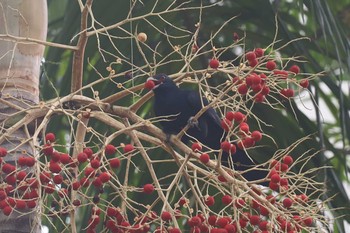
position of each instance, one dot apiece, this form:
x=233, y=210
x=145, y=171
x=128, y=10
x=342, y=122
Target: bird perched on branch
x=179, y=106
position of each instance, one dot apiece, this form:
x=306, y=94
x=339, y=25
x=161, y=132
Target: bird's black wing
x=195, y=100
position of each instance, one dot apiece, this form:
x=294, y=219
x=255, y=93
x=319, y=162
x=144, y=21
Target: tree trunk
x=19, y=85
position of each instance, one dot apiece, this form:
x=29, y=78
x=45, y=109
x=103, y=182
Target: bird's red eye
x=161, y=79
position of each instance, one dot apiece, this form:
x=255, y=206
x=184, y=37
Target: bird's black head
x=162, y=81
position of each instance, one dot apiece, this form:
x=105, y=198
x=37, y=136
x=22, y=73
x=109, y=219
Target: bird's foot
x=192, y=122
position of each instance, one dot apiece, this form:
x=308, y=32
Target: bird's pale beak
x=156, y=81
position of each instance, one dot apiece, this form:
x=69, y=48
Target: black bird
x=179, y=106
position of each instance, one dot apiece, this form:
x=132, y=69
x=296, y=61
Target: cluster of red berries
x=117, y=223
x=277, y=169
x=16, y=180
x=253, y=217
x=20, y=188
x=258, y=85
x=254, y=56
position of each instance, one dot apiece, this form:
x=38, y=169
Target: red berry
x=264, y=211
x=239, y=203
x=8, y=168
x=89, y=172
x=249, y=80
x=265, y=90
x=288, y=160
x=263, y=225
x=3, y=152
x=226, y=124
x=248, y=142
x=274, y=186
x=3, y=195
x=127, y=148
x=204, y=158
x=254, y=219
x=195, y=230
x=57, y=179
x=271, y=65
x=284, y=181
x=55, y=156
x=20, y=204
x=287, y=92
x=47, y=149
x=174, y=230
x=236, y=80
x=104, y=176
x=229, y=116
x=95, y=163
x=65, y=158
x=31, y=204
x=275, y=178
x=111, y=212
x=304, y=83
x=84, y=182
x=244, y=127
x=183, y=201
x=149, y=84
x=308, y=221
x=231, y=228
x=304, y=197
x=214, y=63
x=233, y=149
x=165, y=216
x=222, y=222
x=97, y=182
x=283, y=167
x=256, y=135
x=194, y=221
x=76, y=185
x=50, y=188
x=239, y=117
x=114, y=163
x=22, y=161
x=7, y=210
x=254, y=204
x=30, y=161
x=88, y=152
x=259, y=98
x=212, y=220
x=256, y=79
x=253, y=63
x=273, y=163
x=281, y=74
x=10, y=179
x=226, y=199
x=50, y=137
x=225, y=146
x=21, y=175
x=110, y=149
x=76, y=202
x=242, y=89
x=82, y=157
x=259, y=52
x=196, y=147
x=209, y=201
x=287, y=202
x=250, y=56
x=294, y=69
x=111, y=225
x=148, y=188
